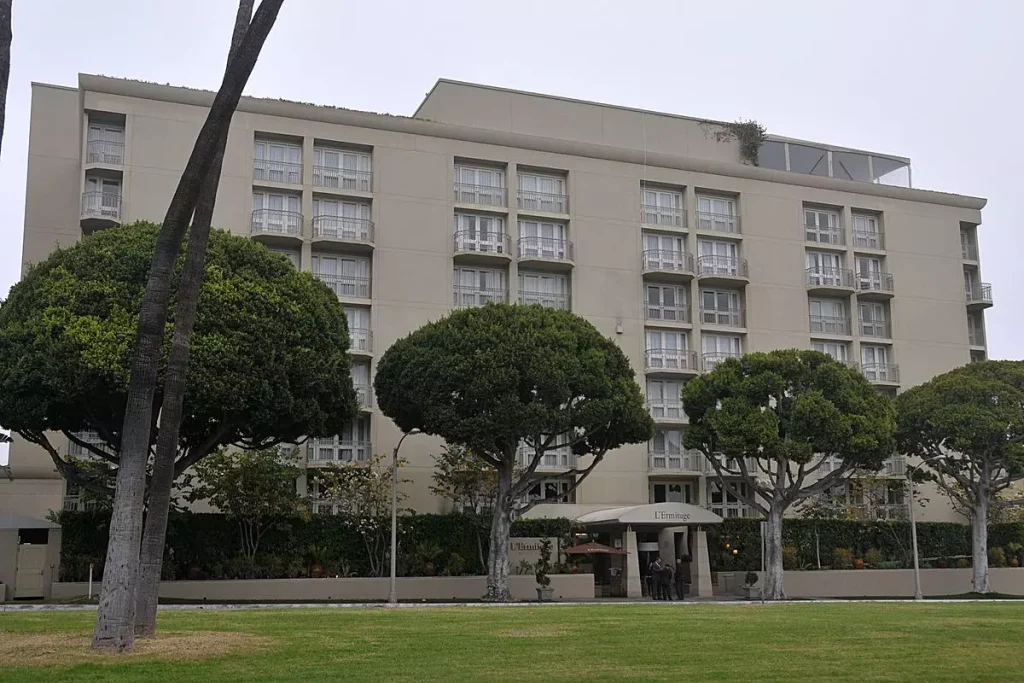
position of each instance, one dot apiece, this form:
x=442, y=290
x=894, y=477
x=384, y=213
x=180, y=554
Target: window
x=717, y=347
x=542, y=239
x=875, y=362
x=869, y=273
x=102, y=197
x=276, y=213
x=718, y=258
x=828, y=316
x=968, y=245
x=358, y=328
x=681, y=492
x=822, y=226
x=340, y=219
x=717, y=214
x=664, y=252
x=351, y=445
x=667, y=302
x=866, y=234
x=824, y=269
x=874, y=321
x=479, y=286
x=360, y=374
x=663, y=207
x=555, y=490
x=668, y=441
x=480, y=186
x=837, y=350
x=341, y=169
x=105, y=144
x=666, y=349
x=542, y=193
x=664, y=399
x=723, y=500
x=279, y=162
x=975, y=330
x=475, y=232
x=720, y=307
x=292, y=255
x=345, y=275
x=547, y=289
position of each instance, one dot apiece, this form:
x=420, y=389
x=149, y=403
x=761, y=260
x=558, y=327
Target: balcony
x=79, y=503
x=91, y=438
x=881, y=373
x=100, y=210
x=321, y=452
x=975, y=336
x=874, y=285
x=896, y=466
x=468, y=297
x=274, y=226
x=559, y=302
x=867, y=239
x=674, y=266
x=829, y=281
x=713, y=359
x=978, y=296
x=476, y=247
x=663, y=216
x=480, y=195
x=364, y=397
x=346, y=286
x=731, y=463
x=833, y=237
x=876, y=329
x=725, y=270
x=276, y=171
x=830, y=324
x=105, y=152
x=969, y=251
x=360, y=341
x=686, y=462
x=546, y=253
x=343, y=179
x=667, y=410
x=542, y=202
x=557, y=458
x=718, y=222
x=670, y=362
x=667, y=313
x=730, y=317
x=356, y=232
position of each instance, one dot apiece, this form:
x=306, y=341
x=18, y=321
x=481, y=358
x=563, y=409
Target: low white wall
x=566, y=587
x=882, y=583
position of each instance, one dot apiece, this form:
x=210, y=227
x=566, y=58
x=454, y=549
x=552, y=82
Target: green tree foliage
x=269, y=359
x=788, y=424
x=500, y=377
x=968, y=425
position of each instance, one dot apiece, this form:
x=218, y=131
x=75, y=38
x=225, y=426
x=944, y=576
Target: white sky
x=937, y=81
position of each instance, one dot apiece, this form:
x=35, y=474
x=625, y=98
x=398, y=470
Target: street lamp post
x=918, y=595
x=392, y=588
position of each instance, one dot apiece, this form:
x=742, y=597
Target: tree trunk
x=115, y=618
x=5, y=61
x=979, y=544
x=155, y=533
x=773, y=588
x=501, y=528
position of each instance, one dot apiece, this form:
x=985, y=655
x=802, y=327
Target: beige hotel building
x=647, y=224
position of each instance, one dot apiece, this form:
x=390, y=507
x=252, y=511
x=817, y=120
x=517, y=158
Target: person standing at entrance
x=654, y=572
x=666, y=580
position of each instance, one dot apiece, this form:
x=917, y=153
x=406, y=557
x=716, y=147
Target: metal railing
x=559, y=302
x=277, y=171
x=969, y=251
x=101, y=205
x=327, y=451
x=881, y=372
x=730, y=317
x=829, y=277
x=465, y=297
x=896, y=466
x=751, y=463
x=878, y=329
x=685, y=461
x=364, y=396
x=665, y=216
x=346, y=285
x=545, y=247
x=80, y=504
x=276, y=222
x=978, y=292
x=360, y=339
x=729, y=266
x=713, y=359
x=868, y=239
x=835, y=236
x=484, y=195
x=718, y=222
x=548, y=202
x=666, y=409
x=343, y=228
x=558, y=457
x=667, y=260
x=671, y=359
x=91, y=438
x=975, y=336
x=680, y=313
x=482, y=241
x=829, y=324
x=343, y=178
x=875, y=282
x=104, y=152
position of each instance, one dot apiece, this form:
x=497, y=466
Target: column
x=700, y=566
x=632, y=577
x=667, y=545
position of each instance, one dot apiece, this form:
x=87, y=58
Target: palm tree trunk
x=115, y=619
x=155, y=532
x=5, y=61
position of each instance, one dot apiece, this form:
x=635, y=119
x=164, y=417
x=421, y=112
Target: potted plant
x=429, y=552
x=750, y=588
x=315, y=557
x=544, y=589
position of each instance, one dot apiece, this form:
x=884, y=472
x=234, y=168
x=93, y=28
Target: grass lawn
x=801, y=642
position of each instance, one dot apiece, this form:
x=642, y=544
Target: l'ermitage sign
x=672, y=516
x=528, y=549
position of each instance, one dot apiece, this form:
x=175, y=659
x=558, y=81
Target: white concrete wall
x=881, y=583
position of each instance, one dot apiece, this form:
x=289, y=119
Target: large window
x=824, y=269
x=477, y=232
x=663, y=207
x=875, y=363
x=342, y=169
x=292, y=255
x=837, y=350
x=105, y=144
x=870, y=275
x=723, y=501
x=717, y=214
x=542, y=239
x=672, y=492
x=717, y=348
x=102, y=197
x=664, y=252
x=276, y=213
x=822, y=226
x=663, y=397
x=666, y=349
x=828, y=316
x=667, y=302
x=347, y=276
x=866, y=233
x=874, y=320
x=475, y=185
x=479, y=286
x=279, y=162
x=554, y=490
x=550, y=290
x=351, y=445
x=538, y=192
x=720, y=307
x=358, y=328
x=341, y=219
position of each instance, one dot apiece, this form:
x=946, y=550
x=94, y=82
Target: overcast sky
x=941, y=85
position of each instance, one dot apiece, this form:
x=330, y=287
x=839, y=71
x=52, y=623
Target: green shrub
x=996, y=557
x=842, y=558
x=790, y=558
x=963, y=563
x=873, y=558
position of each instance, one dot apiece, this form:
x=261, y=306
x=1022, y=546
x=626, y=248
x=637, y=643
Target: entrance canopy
x=652, y=515
x=593, y=548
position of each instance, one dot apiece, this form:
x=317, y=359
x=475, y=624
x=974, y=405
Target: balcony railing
x=360, y=339
x=465, y=297
x=91, y=438
x=276, y=222
x=878, y=329
x=718, y=222
x=881, y=372
x=364, y=395
x=829, y=277
x=730, y=317
x=548, y=202
x=484, y=195
x=896, y=512
x=343, y=178
x=969, y=251
x=482, y=242
x=346, y=285
x=830, y=324
x=80, y=504
x=868, y=239
x=101, y=205
x=558, y=457
x=671, y=359
x=712, y=360
x=666, y=260
x=875, y=282
x=545, y=247
x=337, y=451
x=686, y=461
x=728, y=266
x=978, y=292
x=343, y=228
x=975, y=336
x=679, y=313
x=559, y=302
x=835, y=236
x=896, y=466
x=277, y=171
x=665, y=216
x=666, y=409
x=731, y=464
x=104, y=152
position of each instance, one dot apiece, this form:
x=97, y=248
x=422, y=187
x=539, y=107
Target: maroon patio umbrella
x=593, y=548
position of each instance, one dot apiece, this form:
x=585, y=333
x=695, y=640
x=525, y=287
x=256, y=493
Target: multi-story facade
x=649, y=225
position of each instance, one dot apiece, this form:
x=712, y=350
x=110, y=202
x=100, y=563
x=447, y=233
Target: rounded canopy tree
x=269, y=361
x=512, y=383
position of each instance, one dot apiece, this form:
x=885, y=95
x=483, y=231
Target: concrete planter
x=544, y=593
